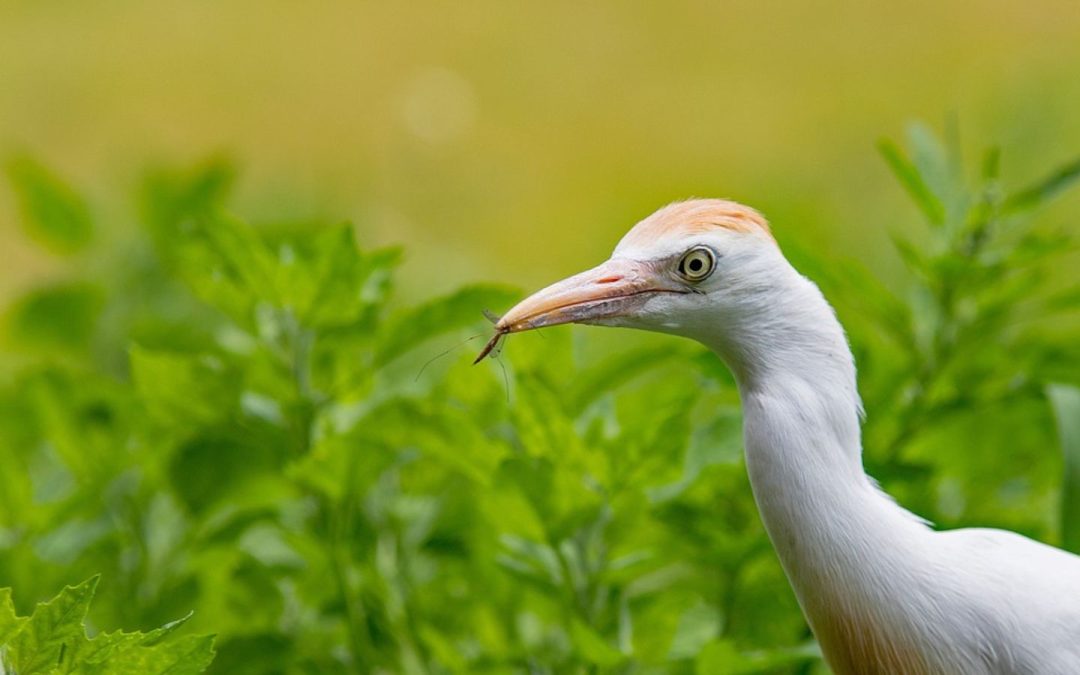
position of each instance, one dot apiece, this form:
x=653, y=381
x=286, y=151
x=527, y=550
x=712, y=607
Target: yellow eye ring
x=697, y=264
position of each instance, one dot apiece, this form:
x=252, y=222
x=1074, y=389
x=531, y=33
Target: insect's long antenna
x=438, y=356
x=506, y=378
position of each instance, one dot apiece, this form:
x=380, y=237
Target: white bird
x=881, y=590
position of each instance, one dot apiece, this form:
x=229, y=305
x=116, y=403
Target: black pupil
x=696, y=265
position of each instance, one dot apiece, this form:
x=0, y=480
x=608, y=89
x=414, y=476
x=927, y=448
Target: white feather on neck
x=850, y=552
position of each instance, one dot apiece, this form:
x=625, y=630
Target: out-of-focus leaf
x=697, y=626
x=1043, y=191
x=932, y=161
x=172, y=197
x=1065, y=401
x=225, y=263
x=440, y=433
x=608, y=374
x=53, y=212
x=325, y=280
x=58, y=317
x=592, y=646
x=721, y=657
x=913, y=182
x=54, y=624
x=182, y=389
x=439, y=316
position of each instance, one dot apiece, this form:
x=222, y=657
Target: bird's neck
x=837, y=536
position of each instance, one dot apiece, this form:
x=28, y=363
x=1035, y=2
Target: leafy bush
x=53, y=640
x=238, y=421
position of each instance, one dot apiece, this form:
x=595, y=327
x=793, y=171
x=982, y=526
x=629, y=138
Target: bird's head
x=688, y=268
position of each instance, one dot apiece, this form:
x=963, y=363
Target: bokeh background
x=270, y=418
x=517, y=142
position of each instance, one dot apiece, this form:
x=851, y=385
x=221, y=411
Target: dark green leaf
x=58, y=317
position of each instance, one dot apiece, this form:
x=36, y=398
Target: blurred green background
x=517, y=142
x=270, y=418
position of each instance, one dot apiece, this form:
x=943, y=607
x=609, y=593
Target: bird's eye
x=697, y=264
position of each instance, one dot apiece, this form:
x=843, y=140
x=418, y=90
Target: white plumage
x=883, y=592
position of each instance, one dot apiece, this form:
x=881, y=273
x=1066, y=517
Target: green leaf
x=608, y=374
x=444, y=434
x=451, y=312
x=1045, y=190
x=103, y=646
x=53, y=640
x=721, y=657
x=917, y=188
x=225, y=263
x=931, y=160
x=10, y=624
x=54, y=624
x=60, y=317
x=592, y=647
x=183, y=389
x=170, y=196
x=325, y=280
x=53, y=213
x=187, y=655
x=1065, y=401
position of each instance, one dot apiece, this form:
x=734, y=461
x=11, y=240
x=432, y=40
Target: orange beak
x=610, y=290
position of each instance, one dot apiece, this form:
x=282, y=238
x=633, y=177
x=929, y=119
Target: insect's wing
x=492, y=344
x=499, y=344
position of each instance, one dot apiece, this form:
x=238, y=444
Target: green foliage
x=53, y=213
x=53, y=640
x=244, y=421
x=1065, y=400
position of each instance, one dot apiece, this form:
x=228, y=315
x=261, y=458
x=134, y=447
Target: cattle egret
x=882, y=591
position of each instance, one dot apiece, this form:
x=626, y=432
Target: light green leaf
x=913, y=182
x=10, y=624
x=932, y=161
x=54, y=624
x=325, y=280
x=84, y=653
x=225, y=263
x=187, y=655
x=53, y=212
x=1065, y=401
